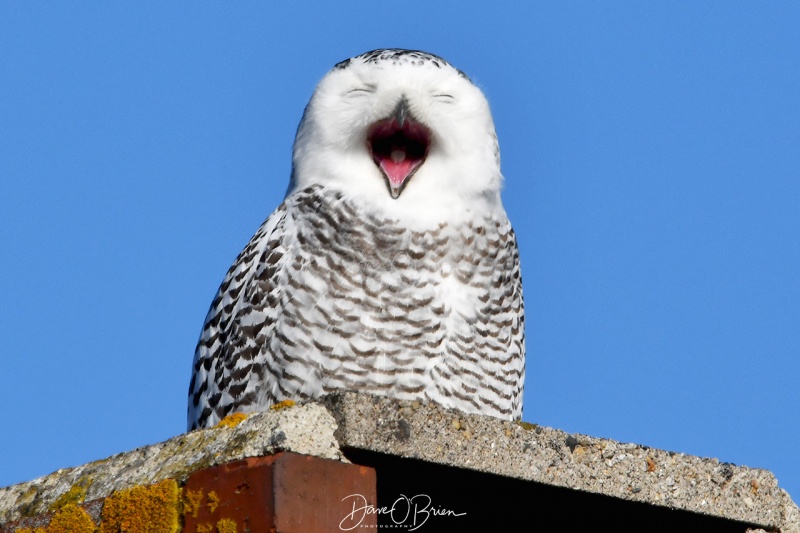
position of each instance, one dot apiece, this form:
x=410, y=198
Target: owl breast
x=367, y=305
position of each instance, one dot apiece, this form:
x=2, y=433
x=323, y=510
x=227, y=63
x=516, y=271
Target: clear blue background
x=652, y=160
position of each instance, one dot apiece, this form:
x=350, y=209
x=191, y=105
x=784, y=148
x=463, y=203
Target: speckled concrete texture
x=306, y=429
x=430, y=433
x=526, y=451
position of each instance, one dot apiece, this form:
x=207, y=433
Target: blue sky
x=652, y=160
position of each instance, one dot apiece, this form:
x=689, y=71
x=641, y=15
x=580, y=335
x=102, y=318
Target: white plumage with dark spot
x=390, y=268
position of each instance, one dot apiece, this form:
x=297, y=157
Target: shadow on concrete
x=497, y=503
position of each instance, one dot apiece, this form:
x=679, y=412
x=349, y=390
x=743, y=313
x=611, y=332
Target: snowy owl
x=390, y=268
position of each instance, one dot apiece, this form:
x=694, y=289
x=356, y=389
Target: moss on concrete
x=75, y=495
x=231, y=420
x=71, y=518
x=152, y=508
x=527, y=426
x=282, y=405
x=307, y=429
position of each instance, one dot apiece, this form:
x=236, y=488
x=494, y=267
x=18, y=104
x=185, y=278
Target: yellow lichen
x=76, y=494
x=70, y=518
x=205, y=528
x=527, y=426
x=231, y=420
x=213, y=501
x=192, y=500
x=226, y=525
x=283, y=405
x=152, y=508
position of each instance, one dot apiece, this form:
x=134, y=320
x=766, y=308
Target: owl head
x=402, y=132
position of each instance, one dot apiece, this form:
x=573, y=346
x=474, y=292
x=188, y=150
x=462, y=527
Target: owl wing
x=241, y=316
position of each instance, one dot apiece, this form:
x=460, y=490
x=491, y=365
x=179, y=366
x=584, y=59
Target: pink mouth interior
x=398, y=150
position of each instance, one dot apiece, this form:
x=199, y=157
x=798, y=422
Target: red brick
x=282, y=493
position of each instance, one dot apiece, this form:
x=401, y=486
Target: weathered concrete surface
x=306, y=429
x=550, y=456
x=430, y=433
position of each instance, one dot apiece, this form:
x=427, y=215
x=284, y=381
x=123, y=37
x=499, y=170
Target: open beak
x=398, y=145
